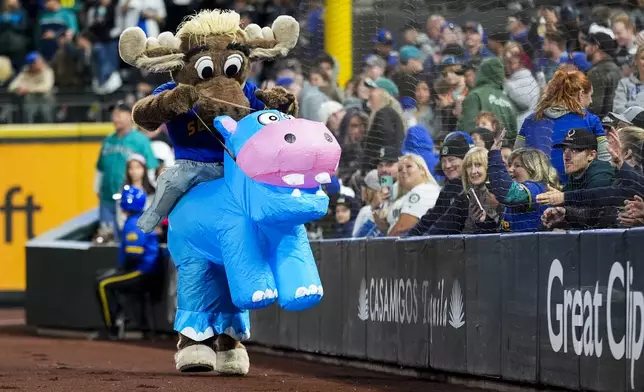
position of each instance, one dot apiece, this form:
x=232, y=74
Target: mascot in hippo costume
x=239, y=242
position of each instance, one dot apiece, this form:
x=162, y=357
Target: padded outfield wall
x=553, y=309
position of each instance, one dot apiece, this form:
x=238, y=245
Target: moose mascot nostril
x=208, y=60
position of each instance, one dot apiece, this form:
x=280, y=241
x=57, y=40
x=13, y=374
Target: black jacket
x=450, y=192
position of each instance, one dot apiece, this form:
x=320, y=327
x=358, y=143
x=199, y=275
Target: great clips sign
x=576, y=316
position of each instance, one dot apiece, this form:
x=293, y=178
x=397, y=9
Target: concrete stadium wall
x=551, y=309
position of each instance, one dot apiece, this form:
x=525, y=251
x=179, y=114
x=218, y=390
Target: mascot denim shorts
x=172, y=184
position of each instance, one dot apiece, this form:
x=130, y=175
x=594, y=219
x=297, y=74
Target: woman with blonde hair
x=562, y=107
x=529, y=175
x=418, y=193
x=475, y=210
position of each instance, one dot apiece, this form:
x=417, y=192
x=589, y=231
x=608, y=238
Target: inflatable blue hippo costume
x=239, y=242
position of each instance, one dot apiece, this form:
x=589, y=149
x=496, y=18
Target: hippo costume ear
x=225, y=125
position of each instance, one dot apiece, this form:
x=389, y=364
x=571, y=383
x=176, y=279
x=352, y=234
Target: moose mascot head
x=209, y=59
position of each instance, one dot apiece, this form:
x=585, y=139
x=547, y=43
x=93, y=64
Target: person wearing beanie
x=604, y=74
x=454, y=148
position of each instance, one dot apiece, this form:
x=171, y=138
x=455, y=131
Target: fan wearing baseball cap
x=584, y=170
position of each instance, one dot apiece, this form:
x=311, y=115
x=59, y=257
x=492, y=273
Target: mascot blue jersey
x=191, y=144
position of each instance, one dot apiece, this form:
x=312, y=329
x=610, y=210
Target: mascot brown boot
x=193, y=356
x=232, y=357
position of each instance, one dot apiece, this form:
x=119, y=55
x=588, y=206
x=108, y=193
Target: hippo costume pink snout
x=294, y=153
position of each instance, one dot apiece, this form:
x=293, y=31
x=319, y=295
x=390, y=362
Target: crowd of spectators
x=447, y=129
x=456, y=129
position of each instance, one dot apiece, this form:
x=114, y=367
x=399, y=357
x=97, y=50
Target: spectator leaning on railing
x=529, y=174
x=475, y=210
x=419, y=193
x=628, y=184
x=35, y=84
x=585, y=171
x=452, y=152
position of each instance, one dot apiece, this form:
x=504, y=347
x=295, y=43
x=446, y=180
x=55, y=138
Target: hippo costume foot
x=232, y=357
x=195, y=357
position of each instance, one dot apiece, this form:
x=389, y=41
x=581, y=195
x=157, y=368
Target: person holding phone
x=420, y=191
x=475, y=210
x=530, y=173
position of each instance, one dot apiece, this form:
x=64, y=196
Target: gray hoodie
x=522, y=88
x=630, y=92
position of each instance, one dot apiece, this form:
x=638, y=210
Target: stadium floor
x=32, y=363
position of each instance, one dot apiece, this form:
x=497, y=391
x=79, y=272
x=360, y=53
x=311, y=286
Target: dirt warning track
x=31, y=363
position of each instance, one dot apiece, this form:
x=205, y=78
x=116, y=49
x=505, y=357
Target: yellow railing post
x=338, y=36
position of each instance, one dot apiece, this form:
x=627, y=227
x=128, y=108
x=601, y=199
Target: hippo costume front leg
x=294, y=268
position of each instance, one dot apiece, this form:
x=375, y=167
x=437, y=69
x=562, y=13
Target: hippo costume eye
x=204, y=67
x=268, y=118
x=233, y=65
x=287, y=116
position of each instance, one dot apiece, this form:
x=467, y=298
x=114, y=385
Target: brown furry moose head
x=209, y=59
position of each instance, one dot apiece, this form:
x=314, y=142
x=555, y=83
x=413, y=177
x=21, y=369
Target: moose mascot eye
x=233, y=65
x=204, y=67
x=268, y=118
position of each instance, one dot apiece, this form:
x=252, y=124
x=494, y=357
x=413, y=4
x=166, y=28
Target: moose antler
x=274, y=41
x=160, y=54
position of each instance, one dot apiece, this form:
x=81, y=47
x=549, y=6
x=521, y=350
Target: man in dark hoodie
x=489, y=96
x=452, y=153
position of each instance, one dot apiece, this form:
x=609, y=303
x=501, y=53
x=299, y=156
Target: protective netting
x=501, y=105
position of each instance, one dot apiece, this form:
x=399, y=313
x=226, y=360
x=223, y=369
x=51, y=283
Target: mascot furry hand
x=239, y=242
x=209, y=60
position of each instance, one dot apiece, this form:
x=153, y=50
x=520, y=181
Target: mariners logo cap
x=580, y=139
